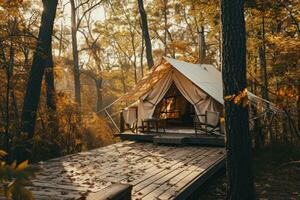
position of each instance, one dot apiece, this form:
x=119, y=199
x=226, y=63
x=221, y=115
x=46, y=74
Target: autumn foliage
x=111, y=52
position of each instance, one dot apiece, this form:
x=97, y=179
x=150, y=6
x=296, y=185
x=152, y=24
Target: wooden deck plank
x=163, y=182
x=100, y=171
x=149, y=171
x=157, y=181
x=181, y=182
x=153, y=170
x=159, y=173
x=156, y=171
x=144, y=163
x=185, y=160
x=146, y=166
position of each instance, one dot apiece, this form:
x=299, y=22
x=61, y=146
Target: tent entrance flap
x=175, y=109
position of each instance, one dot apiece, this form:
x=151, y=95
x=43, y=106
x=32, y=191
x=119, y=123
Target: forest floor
x=276, y=178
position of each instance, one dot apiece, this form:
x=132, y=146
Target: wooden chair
x=155, y=123
x=208, y=123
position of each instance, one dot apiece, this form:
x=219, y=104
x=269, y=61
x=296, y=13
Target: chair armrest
x=201, y=115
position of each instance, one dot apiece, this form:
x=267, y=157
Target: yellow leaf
x=2, y=153
x=222, y=120
x=14, y=164
x=22, y=165
x=229, y=97
x=245, y=101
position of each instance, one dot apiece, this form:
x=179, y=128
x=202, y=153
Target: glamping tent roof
x=205, y=76
x=209, y=79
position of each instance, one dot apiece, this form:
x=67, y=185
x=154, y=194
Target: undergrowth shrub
x=96, y=131
x=65, y=132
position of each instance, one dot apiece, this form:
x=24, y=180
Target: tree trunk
x=202, y=46
x=262, y=58
x=9, y=74
x=99, y=99
x=298, y=105
x=123, y=80
x=49, y=80
x=14, y=104
x=60, y=40
x=51, y=95
x=142, y=57
x=75, y=54
x=166, y=25
x=263, y=69
x=134, y=57
x=238, y=141
x=220, y=49
x=146, y=34
x=34, y=84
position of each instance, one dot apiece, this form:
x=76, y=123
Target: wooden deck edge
x=218, y=142
x=192, y=187
x=112, y=192
x=202, y=141
x=162, y=140
x=135, y=137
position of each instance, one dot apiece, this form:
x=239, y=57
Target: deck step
x=169, y=139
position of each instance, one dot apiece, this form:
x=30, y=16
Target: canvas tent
x=199, y=84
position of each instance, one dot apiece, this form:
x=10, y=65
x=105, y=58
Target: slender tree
x=74, y=28
x=9, y=74
x=262, y=55
x=238, y=142
x=166, y=25
x=145, y=33
x=39, y=63
x=202, y=46
x=78, y=14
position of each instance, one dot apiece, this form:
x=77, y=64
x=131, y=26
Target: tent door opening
x=175, y=109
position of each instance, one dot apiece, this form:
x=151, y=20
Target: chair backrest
x=213, y=117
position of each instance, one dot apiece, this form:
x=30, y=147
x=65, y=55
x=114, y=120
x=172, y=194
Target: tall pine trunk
x=33, y=90
x=238, y=141
x=146, y=33
x=75, y=53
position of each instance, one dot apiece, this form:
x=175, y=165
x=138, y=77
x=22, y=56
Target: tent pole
x=111, y=119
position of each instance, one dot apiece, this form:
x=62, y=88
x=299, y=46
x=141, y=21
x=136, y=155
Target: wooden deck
x=155, y=171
